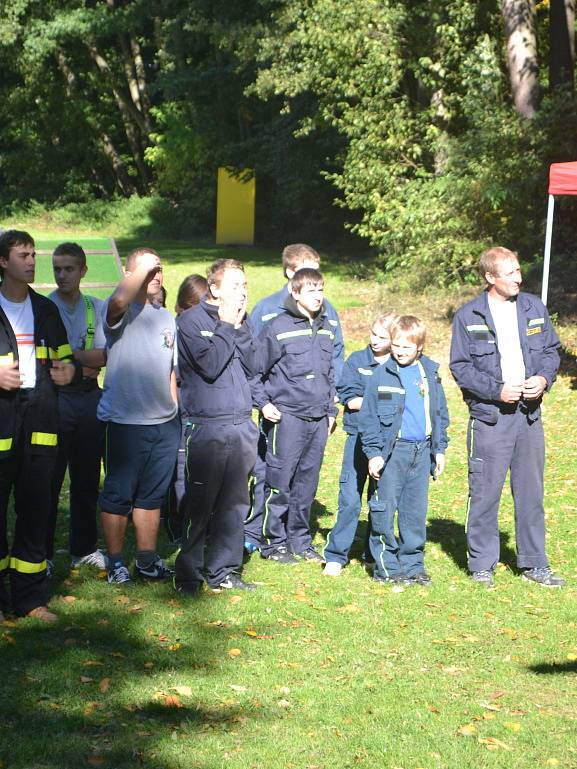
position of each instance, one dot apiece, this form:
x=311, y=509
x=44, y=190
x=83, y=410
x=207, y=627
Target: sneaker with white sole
x=332, y=569
x=118, y=574
x=544, y=577
x=483, y=577
x=310, y=554
x=232, y=582
x=280, y=555
x=96, y=559
x=157, y=570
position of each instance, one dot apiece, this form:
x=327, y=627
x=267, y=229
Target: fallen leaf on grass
x=490, y=706
x=468, y=730
x=104, y=685
x=251, y=633
x=283, y=704
x=552, y=762
x=134, y=609
x=184, y=691
x=234, y=652
x=103, y=622
x=149, y=665
x=86, y=680
x=572, y=657
x=124, y=599
x=235, y=599
x=513, y=726
x=174, y=647
x=499, y=693
x=93, y=663
x=349, y=608
x=171, y=701
x=492, y=743
x=237, y=688
x=68, y=598
x=89, y=708
x=95, y=760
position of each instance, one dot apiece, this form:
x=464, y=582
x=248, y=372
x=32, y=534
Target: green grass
x=311, y=672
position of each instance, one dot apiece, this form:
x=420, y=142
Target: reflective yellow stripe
x=326, y=331
x=45, y=353
x=4, y=563
x=64, y=351
x=25, y=567
x=42, y=353
x=427, y=397
x=6, y=360
x=44, y=439
x=5, y=444
x=290, y=334
x=204, y=332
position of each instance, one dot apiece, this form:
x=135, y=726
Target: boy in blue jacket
x=358, y=369
x=296, y=398
x=403, y=427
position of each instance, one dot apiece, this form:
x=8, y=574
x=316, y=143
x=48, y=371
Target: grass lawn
x=312, y=672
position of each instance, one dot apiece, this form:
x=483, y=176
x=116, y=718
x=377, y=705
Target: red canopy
x=563, y=179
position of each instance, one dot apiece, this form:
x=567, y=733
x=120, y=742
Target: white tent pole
x=547, y=255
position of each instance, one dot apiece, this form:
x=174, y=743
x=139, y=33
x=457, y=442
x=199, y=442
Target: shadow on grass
x=109, y=690
x=451, y=537
x=568, y=366
x=554, y=668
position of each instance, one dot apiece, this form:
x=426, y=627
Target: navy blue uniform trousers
x=219, y=460
x=80, y=449
x=295, y=448
x=403, y=489
x=514, y=443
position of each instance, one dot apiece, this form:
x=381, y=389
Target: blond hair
x=490, y=259
x=411, y=327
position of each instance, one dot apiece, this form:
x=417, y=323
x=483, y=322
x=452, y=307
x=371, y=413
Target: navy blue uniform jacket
x=297, y=364
x=215, y=362
x=355, y=376
x=272, y=306
x=381, y=415
x=475, y=360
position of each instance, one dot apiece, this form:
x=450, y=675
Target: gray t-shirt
x=138, y=368
x=76, y=321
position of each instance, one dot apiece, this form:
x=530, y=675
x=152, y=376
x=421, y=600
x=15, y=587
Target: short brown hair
x=305, y=277
x=489, y=259
x=140, y=251
x=297, y=253
x=218, y=268
x=11, y=238
x=411, y=327
x=385, y=320
x=191, y=291
x=71, y=249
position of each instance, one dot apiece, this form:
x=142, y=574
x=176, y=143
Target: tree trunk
x=561, y=43
x=520, y=31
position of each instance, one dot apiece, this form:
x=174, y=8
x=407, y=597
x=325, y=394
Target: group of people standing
x=174, y=422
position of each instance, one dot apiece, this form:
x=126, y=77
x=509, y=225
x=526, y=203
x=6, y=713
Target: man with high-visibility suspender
x=81, y=434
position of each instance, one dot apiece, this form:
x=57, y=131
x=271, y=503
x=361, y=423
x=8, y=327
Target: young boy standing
x=351, y=387
x=81, y=433
x=217, y=355
x=139, y=406
x=35, y=357
x=403, y=427
x=294, y=257
x=296, y=398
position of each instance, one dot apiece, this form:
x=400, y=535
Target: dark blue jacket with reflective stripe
x=356, y=373
x=51, y=343
x=476, y=362
x=297, y=364
x=272, y=306
x=215, y=362
x=381, y=415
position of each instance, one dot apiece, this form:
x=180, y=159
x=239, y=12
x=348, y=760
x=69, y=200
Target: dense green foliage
x=398, y=120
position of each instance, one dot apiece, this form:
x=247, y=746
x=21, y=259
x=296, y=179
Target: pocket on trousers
x=475, y=476
x=377, y=512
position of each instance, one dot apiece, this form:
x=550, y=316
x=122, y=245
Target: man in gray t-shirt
x=139, y=407
x=80, y=433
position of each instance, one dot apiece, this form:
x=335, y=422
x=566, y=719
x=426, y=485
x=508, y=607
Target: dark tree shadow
x=451, y=537
x=554, y=668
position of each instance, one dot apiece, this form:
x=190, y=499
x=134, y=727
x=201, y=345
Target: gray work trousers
x=514, y=443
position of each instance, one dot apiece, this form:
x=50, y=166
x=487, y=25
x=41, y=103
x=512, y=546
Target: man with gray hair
x=504, y=357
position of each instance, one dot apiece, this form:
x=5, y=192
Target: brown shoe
x=42, y=613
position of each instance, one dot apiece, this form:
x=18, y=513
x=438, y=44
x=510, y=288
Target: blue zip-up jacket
x=297, y=364
x=272, y=306
x=476, y=362
x=215, y=362
x=356, y=373
x=381, y=414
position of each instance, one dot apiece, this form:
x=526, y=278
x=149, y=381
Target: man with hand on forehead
x=139, y=405
x=217, y=356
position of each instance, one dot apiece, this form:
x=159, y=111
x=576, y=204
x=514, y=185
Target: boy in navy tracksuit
x=294, y=257
x=296, y=398
x=217, y=355
x=358, y=369
x=403, y=427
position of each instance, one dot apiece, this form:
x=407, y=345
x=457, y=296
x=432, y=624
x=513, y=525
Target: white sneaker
x=332, y=569
x=96, y=559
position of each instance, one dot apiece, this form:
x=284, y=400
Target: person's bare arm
x=129, y=287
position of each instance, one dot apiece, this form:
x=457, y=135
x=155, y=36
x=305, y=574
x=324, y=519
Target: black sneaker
x=188, y=589
x=310, y=554
x=232, y=582
x=392, y=579
x=544, y=577
x=157, y=570
x=422, y=578
x=118, y=574
x=280, y=555
x=483, y=577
